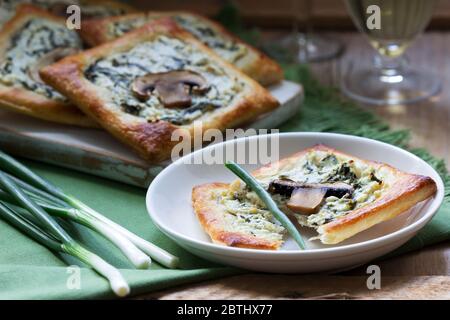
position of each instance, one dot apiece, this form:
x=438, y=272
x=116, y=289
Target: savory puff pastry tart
x=336, y=194
x=248, y=59
x=155, y=80
x=32, y=39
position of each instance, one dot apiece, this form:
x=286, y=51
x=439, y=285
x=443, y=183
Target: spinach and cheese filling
x=341, y=185
x=30, y=48
x=164, y=60
x=226, y=47
x=120, y=27
x=249, y=218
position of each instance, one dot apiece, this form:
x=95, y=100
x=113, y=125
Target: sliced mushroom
x=283, y=186
x=173, y=87
x=337, y=189
x=47, y=59
x=306, y=200
x=286, y=187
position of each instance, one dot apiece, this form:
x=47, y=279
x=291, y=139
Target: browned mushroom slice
x=337, y=189
x=283, y=186
x=173, y=87
x=306, y=200
x=47, y=59
x=286, y=187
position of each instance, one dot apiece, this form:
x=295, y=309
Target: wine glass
x=391, y=80
x=305, y=46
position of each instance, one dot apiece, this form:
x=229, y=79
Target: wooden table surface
x=424, y=274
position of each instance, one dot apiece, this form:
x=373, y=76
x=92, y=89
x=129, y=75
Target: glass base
x=312, y=47
x=380, y=88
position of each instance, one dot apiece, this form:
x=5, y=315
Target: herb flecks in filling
x=227, y=48
x=116, y=73
x=28, y=45
x=249, y=218
x=120, y=27
x=318, y=168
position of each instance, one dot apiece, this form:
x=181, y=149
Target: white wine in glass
x=391, y=80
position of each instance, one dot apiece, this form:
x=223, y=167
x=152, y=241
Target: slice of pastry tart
x=32, y=39
x=248, y=59
x=336, y=194
x=147, y=84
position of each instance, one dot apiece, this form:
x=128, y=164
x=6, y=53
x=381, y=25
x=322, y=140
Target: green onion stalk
x=134, y=255
x=53, y=236
x=265, y=197
x=36, y=186
x=160, y=255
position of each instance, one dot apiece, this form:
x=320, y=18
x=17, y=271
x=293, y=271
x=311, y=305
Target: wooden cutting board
x=96, y=152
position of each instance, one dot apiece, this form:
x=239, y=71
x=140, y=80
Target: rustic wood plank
x=312, y=287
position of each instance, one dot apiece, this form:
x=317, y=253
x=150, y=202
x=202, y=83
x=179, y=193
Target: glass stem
x=390, y=69
x=304, y=38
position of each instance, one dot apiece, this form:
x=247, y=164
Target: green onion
x=265, y=197
x=27, y=227
x=17, y=169
x=116, y=281
x=66, y=245
x=136, y=256
x=51, y=226
x=37, y=193
x=160, y=255
x=35, y=182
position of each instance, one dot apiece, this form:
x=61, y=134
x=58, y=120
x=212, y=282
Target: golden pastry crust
x=19, y=99
x=152, y=140
x=405, y=191
x=255, y=64
x=212, y=218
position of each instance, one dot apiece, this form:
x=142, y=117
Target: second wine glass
x=391, y=79
x=304, y=45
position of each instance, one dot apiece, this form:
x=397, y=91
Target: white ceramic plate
x=169, y=205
